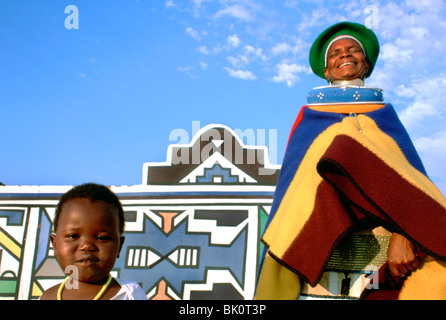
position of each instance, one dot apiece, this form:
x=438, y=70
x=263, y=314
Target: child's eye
x=103, y=238
x=72, y=236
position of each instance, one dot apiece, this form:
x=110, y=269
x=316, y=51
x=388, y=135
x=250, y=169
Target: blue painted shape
x=219, y=171
x=14, y=217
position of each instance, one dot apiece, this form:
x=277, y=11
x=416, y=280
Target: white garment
x=129, y=291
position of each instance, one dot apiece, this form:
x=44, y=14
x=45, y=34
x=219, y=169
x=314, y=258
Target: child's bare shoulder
x=50, y=294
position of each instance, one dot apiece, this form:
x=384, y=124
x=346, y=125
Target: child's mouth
x=88, y=260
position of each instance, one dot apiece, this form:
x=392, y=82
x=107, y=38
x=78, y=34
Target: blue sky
x=96, y=102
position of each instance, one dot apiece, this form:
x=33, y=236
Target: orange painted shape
x=167, y=220
x=161, y=293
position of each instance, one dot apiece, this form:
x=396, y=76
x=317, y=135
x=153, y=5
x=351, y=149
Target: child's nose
x=88, y=244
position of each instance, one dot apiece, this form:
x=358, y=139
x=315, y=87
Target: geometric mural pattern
x=178, y=253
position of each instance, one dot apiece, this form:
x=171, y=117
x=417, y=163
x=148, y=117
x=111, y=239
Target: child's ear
x=53, y=242
x=121, y=243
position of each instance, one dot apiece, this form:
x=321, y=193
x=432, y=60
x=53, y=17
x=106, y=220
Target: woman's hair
x=93, y=192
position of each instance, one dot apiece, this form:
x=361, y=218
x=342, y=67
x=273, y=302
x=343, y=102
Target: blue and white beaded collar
x=342, y=93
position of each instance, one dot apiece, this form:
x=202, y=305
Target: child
x=88, y=225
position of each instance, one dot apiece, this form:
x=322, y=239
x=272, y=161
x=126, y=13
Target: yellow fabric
x=426, y=283
x=347, y=108
x=277, y=282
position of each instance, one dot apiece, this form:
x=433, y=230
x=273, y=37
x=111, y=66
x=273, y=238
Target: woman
x=351, y=186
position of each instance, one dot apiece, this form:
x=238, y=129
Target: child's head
x=93, y=192
x=88, y=225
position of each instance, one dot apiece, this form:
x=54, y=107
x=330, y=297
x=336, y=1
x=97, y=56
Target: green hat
x=366, y=38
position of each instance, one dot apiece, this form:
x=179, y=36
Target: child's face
x=88, y=238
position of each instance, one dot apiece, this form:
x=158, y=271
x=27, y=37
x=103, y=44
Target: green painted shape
x=8, y=286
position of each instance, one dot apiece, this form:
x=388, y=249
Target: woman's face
x=345, y=61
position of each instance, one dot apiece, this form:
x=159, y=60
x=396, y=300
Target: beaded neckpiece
x=97, y=297
x=341, y=94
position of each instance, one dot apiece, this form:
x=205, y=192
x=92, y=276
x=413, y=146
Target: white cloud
x=193, y=33
x=170, y=4
x=426, y=101
x=233, y=41
x=288, y=73
x=320, y=15
x=197, y=3
x=312, y=19
x=434, y=143
x=392, y=54
x=291, y=3
x=417, y=111
x=248, y=55
x=403, y=91
x=241, y=74
x=204, y=50
x=424, y=5
x=209, y=51
x=432, y=151
x=415, y=26
x=235, y=61
x=187, y=70
x=204, y=65
x=280, y=48
x=419, y=33
x=297, y=45
x=252, y=53
x=236, y=11
x=198, y=6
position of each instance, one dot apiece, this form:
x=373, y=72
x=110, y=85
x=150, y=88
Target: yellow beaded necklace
x=98, y=296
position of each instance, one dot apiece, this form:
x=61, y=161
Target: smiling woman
x=343, y=45
x=336, y=217
x=345, y=60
